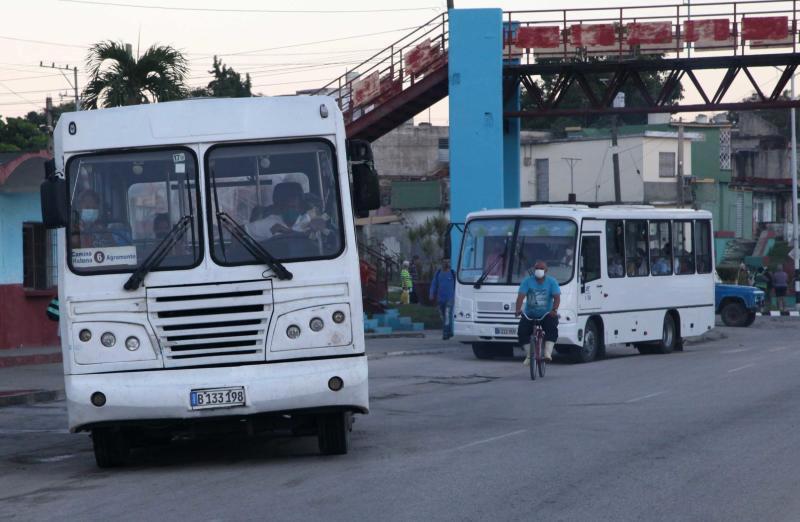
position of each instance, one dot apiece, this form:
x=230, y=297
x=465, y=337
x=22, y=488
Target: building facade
x=27, y=254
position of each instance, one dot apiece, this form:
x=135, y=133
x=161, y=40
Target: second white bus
x=636, y=275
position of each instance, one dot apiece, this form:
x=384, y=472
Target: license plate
x=505, y=331
x=217, y=398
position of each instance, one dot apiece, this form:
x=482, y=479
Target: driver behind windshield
x=89, y=227
x=288, y=214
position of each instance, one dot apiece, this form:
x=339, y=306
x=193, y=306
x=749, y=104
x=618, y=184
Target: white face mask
x=539, y=273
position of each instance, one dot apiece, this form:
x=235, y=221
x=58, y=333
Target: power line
x=27, y=78
x=44, y=42
x=9, y=89
x=270, y=11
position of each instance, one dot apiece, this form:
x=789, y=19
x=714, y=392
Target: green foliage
x=40, y=119
x=117, y=78
x=574, y=98
x=19, y=134
x=227, y=83
x=429, y=237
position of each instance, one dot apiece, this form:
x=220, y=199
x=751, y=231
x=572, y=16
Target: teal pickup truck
x=738, y=305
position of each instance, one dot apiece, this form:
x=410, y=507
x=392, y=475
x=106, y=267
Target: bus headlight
x=316, y=324
x=338, y=317
x=132, y=343
x=108, y=340
x=293, y=332
x=85, y=335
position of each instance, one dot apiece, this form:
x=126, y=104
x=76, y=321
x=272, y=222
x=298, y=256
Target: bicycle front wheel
x=532, y=366
x=541, y=364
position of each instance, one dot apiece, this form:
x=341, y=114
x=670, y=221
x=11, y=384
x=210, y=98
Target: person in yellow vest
x=406, y=284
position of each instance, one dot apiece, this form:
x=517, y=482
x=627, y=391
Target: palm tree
x=117, y=78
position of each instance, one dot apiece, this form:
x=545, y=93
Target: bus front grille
x=495, y=312
x=211, y=324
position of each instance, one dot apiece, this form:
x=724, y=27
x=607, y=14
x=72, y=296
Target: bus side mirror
x=53, y=193
x=366, y=190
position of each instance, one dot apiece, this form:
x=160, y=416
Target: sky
x=283, y=51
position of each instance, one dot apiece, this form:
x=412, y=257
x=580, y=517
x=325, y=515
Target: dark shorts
x=549, y=325
x=780, y=291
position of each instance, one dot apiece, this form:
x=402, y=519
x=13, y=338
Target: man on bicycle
x=543, y=298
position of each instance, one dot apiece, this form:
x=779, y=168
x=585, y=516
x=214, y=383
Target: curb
x=404, y=353
x=414, y=335
x=30, y=397
x=7, y=361
x=775, y=313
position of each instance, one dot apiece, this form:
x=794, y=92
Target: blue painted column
x=476, y=114
x=511, y=153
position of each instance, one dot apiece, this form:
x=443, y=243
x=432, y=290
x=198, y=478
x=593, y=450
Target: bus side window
x=702, y=232
x=637, y=259
x=590, y=259
x=683, y=244
x=660, y=248
x=615, y=248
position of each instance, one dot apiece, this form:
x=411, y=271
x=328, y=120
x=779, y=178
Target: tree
x=574, y=98
x=117, y=78
x=227, y=83
x=40, y=118
x=19, y=134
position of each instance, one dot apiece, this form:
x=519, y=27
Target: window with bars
x=666, y=164
x=725, y=149
x=39, y=263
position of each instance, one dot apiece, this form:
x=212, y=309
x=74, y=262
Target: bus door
x=590, y=282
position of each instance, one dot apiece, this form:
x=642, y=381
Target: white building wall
x=594, y=174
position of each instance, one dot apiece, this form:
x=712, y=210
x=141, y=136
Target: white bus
x=637, y=275
x=208, y=270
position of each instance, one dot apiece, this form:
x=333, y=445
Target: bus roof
x=584, y=211
x=201, y=120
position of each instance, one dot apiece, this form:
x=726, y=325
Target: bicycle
x=538, y=364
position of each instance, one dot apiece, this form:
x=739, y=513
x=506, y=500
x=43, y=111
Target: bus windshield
x=122, y=205
x=284, y=196
x=502, y=251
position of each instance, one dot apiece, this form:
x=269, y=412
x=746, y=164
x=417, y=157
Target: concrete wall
x=409, y=150
x=14, y=210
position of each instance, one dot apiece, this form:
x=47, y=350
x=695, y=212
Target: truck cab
x=737, y=305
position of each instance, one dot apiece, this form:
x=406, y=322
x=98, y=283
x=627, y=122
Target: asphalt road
x=707, y=434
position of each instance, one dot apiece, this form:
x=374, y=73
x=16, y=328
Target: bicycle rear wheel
x=541, y=364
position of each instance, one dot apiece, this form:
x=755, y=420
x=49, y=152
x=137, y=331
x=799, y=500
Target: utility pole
x=571, y=162
x=680, y=164
x=73, y=83
x=619, y=102
x=615, y=160
x=48, y=112
x=450, y=4
x=795, y=223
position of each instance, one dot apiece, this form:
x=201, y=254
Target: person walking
x=406, y=284
x=413, y=271
x=443, y=291
x=780, y=282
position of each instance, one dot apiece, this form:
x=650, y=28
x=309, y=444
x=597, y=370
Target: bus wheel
x=669, y=336
x=111, y=448
x=591, y=343
x=333, y=433
x=482, y=350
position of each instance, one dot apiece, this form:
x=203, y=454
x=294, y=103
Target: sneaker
x=526, y=362
x=547, y=358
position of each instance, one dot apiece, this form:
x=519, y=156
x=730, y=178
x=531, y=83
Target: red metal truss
x=619, y=74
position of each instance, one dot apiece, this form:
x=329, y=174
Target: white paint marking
x=643, y=397
x=774, y=313
x=794, y=314
x=738, y=350
x=490, y=439
x=778, y=349
x=741, y=368
x=21, y=431
x=57, y=458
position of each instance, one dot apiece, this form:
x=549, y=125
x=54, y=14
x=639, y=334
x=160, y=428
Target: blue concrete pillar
x=476, y=114
x=511, y=153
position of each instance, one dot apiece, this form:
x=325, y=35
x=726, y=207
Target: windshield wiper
x=486, y=272
x=159, y=253
x=252, y=246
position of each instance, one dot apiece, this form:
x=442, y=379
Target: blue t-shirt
x=539, y=295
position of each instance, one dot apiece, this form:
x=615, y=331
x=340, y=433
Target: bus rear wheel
x=333, y=433
x=111, y=447
x=669, y=336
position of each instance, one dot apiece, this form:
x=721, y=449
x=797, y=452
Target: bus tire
x=111, y=447
x=734, y=313
x=482, y=350
x=669, y=335
x=333, y=433
x=592, y=343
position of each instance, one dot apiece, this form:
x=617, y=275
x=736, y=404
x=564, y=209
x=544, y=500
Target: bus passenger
x=615, y=268
x=543, y=298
